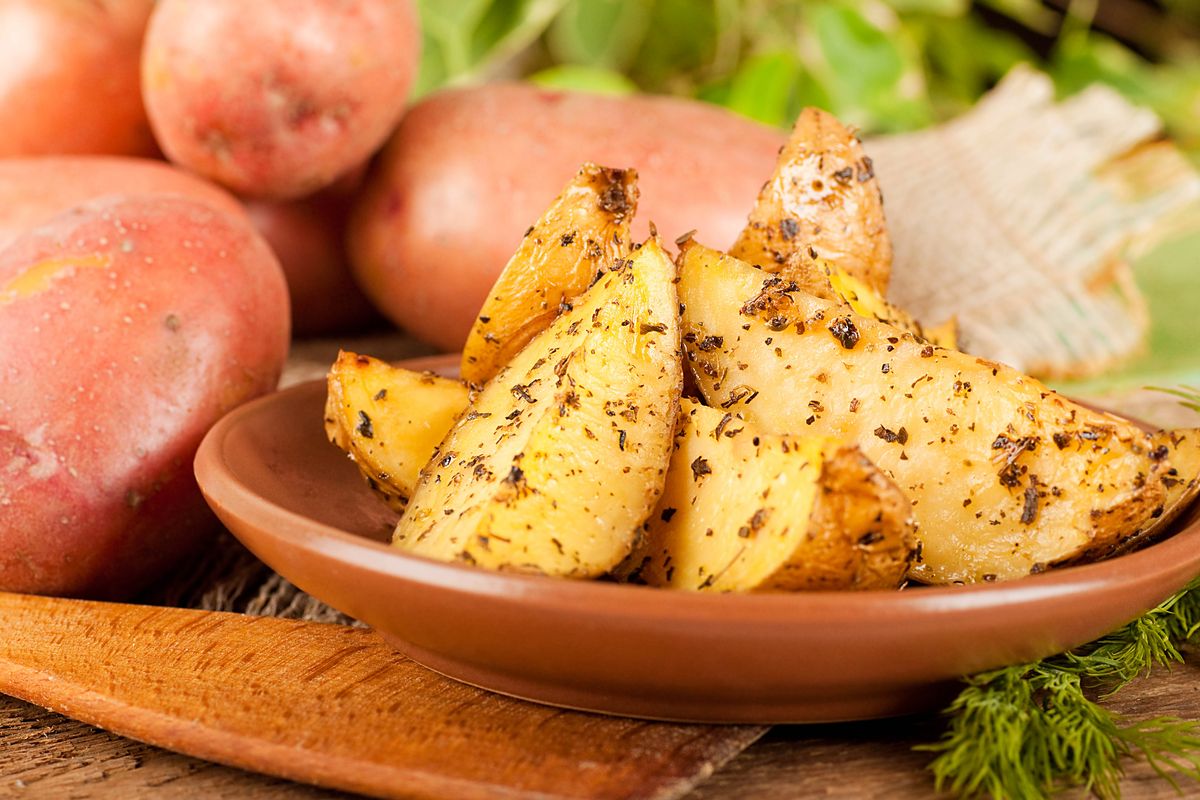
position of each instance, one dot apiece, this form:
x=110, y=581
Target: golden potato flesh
x=389, y=420
x=866, y=302
x=563, y=454
x=745, y=511
x=582, y=233
x=1006, y=477
x=823, y=200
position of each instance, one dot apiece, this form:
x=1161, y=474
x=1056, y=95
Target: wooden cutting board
x=333, y=706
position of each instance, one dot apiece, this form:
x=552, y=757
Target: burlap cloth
x=1020, y=219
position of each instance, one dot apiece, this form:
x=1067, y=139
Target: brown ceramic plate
x=301, y=506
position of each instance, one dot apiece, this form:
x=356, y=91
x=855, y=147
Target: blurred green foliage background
x=883, y=65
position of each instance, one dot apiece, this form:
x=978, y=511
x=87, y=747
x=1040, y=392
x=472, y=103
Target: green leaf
x=599, y=33
x=762, y=88
x=940, y=8
x=462, y=38
x=874, y=77
x=577, y=77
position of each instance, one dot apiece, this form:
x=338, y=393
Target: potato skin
x=469, y=170
x=69, y=77
x=824, y=199
x=578, y=237
x=277, y=99
x=135, y=323
x=307, y=238
x=33, y=190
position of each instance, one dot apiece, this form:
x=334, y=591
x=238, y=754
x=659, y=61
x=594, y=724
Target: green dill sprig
x=1189, y=396
x=1027, y=730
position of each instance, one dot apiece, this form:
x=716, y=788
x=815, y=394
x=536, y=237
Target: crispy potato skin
x=582, y=233
x=1180, y=449
x=1006, y=477
x=69, y=77
x=32, y=190
x=389, y=420
x=277, y=99
x=468, y=170
x=564, y=453
x=745, y=511
x=135, y=324
x=823, y=197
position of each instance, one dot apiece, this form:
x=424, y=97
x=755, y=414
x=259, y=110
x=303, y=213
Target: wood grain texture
x=332, y=706
x=53, y=757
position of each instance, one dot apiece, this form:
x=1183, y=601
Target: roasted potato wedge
x=1181, y=480
x=564, y=453
x=389, y=420
x=823, y=198
x=580, y=236
x=1006, y=477
x=745, y=511
x=819, y=222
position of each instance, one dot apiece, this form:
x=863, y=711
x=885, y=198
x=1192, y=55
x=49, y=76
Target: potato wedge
x=823, y=198
x=563, y=454
x=744, y=511
x=1181, y=480
x=389, y=420
x=579, y=236
x=1006, y=477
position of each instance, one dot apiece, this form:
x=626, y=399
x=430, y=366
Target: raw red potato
x=131, y=324
x=468, y=171
x=306, y=236
x=34, y=189
x=69, y=77
x=277, y=99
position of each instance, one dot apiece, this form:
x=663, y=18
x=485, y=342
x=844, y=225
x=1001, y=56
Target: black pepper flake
x=1030, y=511
x=653, y=327
x=844, y=174
x=869, y=538
x=710, y=343
x=1159, y=453
x=700, y=468
x=567, y=238
x=889, y=436
x=667, y=513
x=1061, y=439
x=927, y=351
x=521, y=391
x=789, y=228
x=364, y=427
x=621, y=440
x=866, y=169
x=844, y=331
x=515, y=475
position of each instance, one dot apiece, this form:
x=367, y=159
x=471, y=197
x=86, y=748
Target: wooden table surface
x=45, y=755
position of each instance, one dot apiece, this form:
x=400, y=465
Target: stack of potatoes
x=761, y=419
